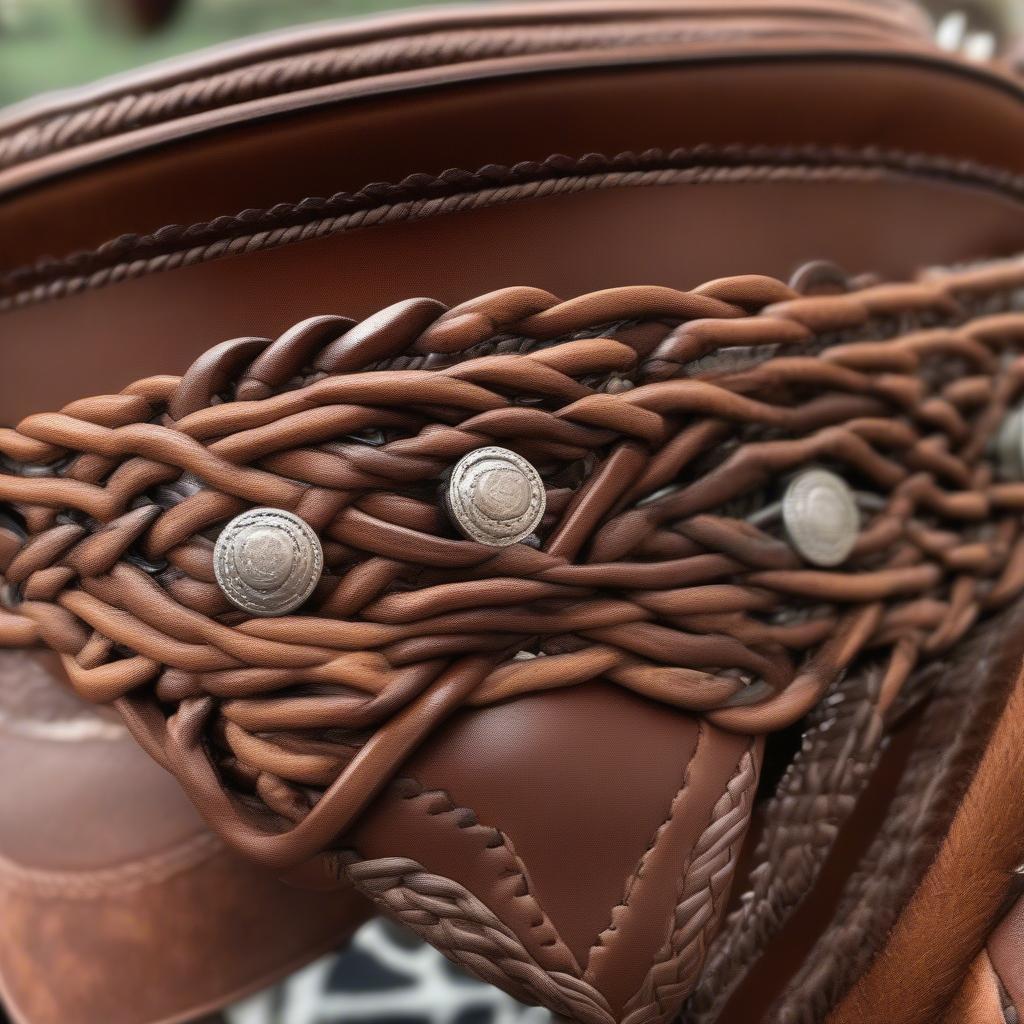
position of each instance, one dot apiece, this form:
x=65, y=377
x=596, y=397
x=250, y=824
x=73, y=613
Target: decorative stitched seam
x=101, y=882
x=421, y=196
x=642, y=863
x=703, y=883
x=465, y=819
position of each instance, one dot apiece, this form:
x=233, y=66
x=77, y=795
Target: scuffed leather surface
x=114, y=949
x=117, y=905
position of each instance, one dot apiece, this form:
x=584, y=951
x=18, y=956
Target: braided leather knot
x=661, y=422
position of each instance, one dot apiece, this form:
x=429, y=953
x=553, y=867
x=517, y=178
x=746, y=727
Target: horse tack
x=714, y=502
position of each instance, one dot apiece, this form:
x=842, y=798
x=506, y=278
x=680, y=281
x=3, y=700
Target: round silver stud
x=821, y=517
x=495, y=497
x=1009, y=445
x=267, y=561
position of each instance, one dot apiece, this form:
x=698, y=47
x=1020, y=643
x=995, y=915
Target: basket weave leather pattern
x=660, y=421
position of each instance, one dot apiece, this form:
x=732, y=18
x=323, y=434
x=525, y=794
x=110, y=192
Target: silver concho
x=495, y=497
x=267, y=561
x=1009, y=445
x=821, y=516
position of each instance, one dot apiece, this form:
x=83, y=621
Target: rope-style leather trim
x=330, y=54
x=677, y=594
x=700, y=903
x=453, y=920
x=838, y=754
x=138, y=106
x=422, y=196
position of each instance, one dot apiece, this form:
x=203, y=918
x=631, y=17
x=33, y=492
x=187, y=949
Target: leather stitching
x=421, y=196
x=702, y=886
x=439, y=803
x=638, y=873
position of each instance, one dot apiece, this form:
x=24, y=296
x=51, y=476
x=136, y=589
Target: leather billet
x=390, y=731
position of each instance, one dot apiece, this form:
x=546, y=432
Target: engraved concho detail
x=821, y=516
x=495, y=496
x=267, y=561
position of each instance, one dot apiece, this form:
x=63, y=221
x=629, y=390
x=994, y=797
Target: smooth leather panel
x=318, y=153
x=101, y=340
x=80, y=794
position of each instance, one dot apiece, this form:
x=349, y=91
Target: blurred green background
x=52, y=44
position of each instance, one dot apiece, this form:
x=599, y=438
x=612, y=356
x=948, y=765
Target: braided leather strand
x=702, y=890
x=661, y=422
x=453, y=920
x=802, y=819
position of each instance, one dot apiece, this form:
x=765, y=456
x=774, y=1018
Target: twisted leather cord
x=452, y=919
x=282, y=730
x=421, y=196
x=703, y=888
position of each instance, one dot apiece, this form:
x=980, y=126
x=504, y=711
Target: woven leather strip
x=664, y=425
x=964, y=691
x=616, y=395
x=819, y=790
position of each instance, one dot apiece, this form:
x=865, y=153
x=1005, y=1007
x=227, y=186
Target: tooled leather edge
x=421, y=196
x=464, y=929
x=641, y=867
x=519, y=908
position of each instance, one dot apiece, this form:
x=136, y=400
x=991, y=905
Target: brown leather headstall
x=667, y=428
